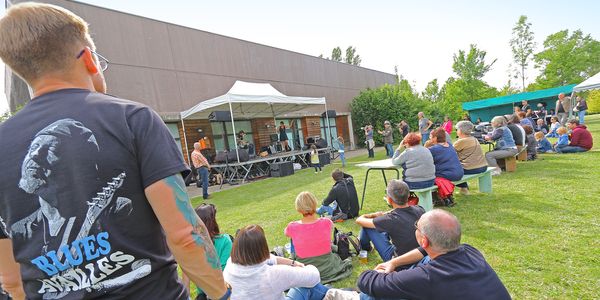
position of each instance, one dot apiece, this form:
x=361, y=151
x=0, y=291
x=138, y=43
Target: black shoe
x=449, y=201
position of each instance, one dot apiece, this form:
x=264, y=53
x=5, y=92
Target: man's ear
x=89, y=61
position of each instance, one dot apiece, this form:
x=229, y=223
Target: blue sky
x=419, y=37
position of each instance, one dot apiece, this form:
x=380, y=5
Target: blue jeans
x=581, y=116
x=301, y=293
x=470, y=172
x=389, y=150
x=203, y=173
x=343, y=159
x=424, y=138
x=569, y=149
x=420, y=184
x=381, y=241
x=329, y=209
x=317, y=167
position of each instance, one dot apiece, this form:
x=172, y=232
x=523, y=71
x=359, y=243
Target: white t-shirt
x=267, y=280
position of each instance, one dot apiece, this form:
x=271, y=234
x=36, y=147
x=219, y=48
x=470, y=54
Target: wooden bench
x=485, y=186
x=510, y=163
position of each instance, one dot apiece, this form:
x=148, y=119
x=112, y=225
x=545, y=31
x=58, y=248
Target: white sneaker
x=496, y=172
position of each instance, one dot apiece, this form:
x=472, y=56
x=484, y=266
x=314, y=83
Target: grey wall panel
x=171, y=67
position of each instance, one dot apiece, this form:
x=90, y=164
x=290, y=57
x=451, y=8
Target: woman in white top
x=254, y=273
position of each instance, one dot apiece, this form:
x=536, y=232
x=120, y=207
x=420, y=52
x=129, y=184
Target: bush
x=593, y=102
x=395, y=103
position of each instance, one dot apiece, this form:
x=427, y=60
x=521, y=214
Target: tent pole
x=328, y=131
x=275, y=126
x=237, y=154
x=571, y=114
x=187, y=154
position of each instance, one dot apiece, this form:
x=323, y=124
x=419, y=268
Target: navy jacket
x=460, y=274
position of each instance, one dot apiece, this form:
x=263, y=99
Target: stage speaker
x=274, y=137
x=281, y=169
x=330, y=113
x=321, y=143
x=219, y=116
x=220, y=157
x=324, y=159
x=244, y=155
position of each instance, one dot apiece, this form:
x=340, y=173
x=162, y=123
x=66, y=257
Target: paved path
x=193, y=191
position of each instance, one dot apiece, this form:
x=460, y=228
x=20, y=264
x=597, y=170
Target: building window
x=332, y=134
x=218, y=131
x=174, y=130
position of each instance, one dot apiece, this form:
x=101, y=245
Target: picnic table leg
x=397, y=173
x=425, y=200
x=485, y=183
x=364, y=188
x=384, y=178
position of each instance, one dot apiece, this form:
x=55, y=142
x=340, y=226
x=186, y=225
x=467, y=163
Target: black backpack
x=343, y=241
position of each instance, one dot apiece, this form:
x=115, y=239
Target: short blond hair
x=539, y=135
x=306, y=203
x=562, y=130
x=37, y=39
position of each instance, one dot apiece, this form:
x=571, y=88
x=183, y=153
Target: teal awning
x=485, y=103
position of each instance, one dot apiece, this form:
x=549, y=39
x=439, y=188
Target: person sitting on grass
x=254, y=273
x=469, y=153
x=342, y=201
x=581, y=138
x=563, y=139
x=418, y=170
x=314, y=158
x=553, y=127
x=454, y=271
x=541, y=126
x=531, y=143
x=311, y=241
x=391, y=232
x=222, y=242
x=544, y=145
x=505, y=144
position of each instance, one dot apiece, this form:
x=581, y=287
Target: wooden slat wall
x=260, y=132
x=192, y=135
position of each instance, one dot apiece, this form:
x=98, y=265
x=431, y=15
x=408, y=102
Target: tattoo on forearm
x=199, y=232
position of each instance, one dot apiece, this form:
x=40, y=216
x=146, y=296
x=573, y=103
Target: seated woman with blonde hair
x=311, y=241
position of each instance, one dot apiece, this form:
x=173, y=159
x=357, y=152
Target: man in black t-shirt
x=447, y=269
x=392, y=232
x=92, y=202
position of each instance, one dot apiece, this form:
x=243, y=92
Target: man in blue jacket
x=455, y=271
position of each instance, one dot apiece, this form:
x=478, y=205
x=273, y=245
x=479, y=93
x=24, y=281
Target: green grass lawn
x=540, y=229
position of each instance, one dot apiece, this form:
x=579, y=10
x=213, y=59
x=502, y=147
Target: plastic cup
x=363, y=257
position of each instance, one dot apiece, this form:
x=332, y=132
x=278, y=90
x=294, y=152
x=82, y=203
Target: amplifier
x=330, y=113
x=281, y=169
x=324, y=159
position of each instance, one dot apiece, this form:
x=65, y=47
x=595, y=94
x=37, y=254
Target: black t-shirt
x=72, y=177
x=400, y=225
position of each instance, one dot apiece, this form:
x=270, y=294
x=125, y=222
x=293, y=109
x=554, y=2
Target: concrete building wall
x=171, y=67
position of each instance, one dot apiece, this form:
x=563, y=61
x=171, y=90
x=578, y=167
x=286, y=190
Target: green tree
x=566, y=59
x=388, y=102
x=432, y=91
x=522, y=44
x=351, y=56
x=336, y=54
x=593, y=102
x=471, y=66
x=508, y=89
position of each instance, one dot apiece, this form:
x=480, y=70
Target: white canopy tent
x=591, y=83
x=248, y=100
